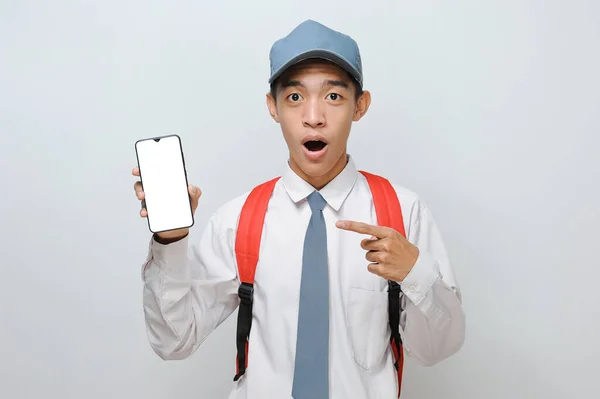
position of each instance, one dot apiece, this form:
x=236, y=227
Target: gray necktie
x=311, y=373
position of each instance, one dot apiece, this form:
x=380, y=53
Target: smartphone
x=164, y=181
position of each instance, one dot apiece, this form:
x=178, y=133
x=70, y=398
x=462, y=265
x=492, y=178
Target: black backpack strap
x=394, y=309
x=244, y=324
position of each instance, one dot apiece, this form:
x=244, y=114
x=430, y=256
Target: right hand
x=174, y=235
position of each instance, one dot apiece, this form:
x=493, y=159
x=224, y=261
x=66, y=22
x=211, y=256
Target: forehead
x=315, y=68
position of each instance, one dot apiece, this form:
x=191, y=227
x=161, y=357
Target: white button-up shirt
x=190, y=288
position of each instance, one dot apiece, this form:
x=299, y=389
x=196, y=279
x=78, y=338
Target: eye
x=294, y=97
x=334, y=96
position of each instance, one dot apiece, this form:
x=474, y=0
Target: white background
x=490, y=110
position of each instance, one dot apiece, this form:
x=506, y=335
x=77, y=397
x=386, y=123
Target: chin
x=316, y=169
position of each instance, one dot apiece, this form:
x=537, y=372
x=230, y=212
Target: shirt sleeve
x=189, y=290
x=432, y=321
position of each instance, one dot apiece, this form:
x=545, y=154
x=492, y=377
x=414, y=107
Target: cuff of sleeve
x=421, y=278
x=169, y=258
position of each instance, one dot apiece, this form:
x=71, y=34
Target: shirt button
x=412, y=287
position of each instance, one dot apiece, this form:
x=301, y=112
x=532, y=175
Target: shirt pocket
x=367, y=322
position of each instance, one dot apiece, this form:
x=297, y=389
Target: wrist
x=167, y=238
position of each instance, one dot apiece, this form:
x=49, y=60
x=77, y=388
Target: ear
x=362, y=106
x=272, y=106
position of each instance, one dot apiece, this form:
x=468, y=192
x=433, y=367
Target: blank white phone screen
x=164, y=182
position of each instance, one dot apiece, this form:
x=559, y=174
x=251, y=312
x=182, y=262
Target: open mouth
x=315, y=145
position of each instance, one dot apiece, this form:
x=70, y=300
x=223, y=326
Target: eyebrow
x=336, y=83
x=292, y=83
x=297, y=83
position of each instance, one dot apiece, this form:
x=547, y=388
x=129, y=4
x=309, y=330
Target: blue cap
x=311, y=39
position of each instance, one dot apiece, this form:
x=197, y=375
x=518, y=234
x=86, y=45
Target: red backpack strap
x=389, y=214
x=247, y=247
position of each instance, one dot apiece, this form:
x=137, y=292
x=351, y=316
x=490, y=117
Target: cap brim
x=319, y=54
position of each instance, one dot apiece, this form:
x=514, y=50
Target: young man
x=320, y=304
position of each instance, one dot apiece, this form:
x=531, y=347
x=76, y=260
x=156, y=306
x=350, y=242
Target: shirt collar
x=335, y=192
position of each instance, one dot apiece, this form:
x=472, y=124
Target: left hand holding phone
x=173, y=235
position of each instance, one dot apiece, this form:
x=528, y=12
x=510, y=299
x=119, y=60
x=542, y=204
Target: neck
x=318, y=182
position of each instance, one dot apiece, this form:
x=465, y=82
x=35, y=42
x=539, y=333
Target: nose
x=313, y=116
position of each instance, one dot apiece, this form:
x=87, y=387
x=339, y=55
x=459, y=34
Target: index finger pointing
x=363, y=228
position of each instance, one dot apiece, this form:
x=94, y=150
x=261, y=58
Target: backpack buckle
x=246, y=293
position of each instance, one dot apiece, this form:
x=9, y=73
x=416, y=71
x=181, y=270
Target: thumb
x=195, y=194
